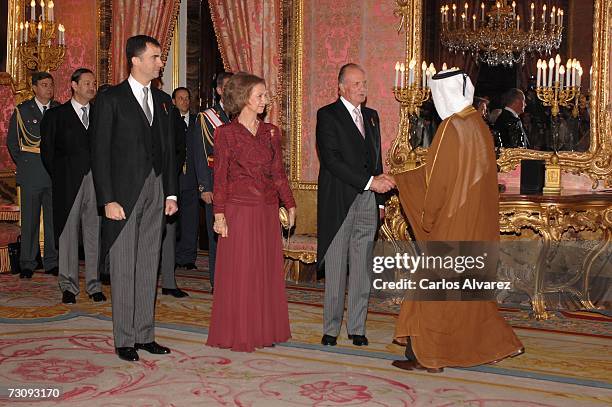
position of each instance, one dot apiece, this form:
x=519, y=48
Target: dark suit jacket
x=347, y=161
x=124, y=151
x=30, y=170
x=64, y=150
x=187, y=178
x=511, y=131
x=200, y=142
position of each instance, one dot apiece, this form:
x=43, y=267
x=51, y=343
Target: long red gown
x=250, y=305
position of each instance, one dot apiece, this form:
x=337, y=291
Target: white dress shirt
x=351, y=109
x=78, y=109
x=512, y=111
x=139, y=95
x=40, y=105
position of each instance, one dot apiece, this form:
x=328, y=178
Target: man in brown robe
x=454, y=197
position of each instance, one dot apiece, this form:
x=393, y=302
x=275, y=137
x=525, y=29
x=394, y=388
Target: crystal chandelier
x=499, y=36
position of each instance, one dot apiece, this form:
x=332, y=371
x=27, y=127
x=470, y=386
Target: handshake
x=382, y=183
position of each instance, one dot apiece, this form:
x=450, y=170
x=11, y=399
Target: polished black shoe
x=54, y=271
x=98, y=297
x=328, y=340
x=68, y=298
x=127, y=353
x=359, y=340
x=186, y=266
x=152, y=347
x=175, y=292
x=26, y=273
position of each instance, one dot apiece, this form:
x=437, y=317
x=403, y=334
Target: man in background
x=508, y=124
x=203, y=138
x=65, y=152
x=23, y=141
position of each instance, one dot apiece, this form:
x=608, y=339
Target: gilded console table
x=551, y=216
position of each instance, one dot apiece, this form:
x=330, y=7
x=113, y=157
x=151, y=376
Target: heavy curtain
x=131, y=17
x=249, y=33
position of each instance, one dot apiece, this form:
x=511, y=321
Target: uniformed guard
x=23, y=142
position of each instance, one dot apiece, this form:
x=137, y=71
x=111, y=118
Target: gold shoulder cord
x=205, y=133
x=27, y=141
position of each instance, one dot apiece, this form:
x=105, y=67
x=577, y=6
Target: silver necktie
x=85, y=117
x=145, y=105
x=359, y=121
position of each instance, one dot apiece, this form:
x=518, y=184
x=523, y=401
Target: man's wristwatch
x=200, y=188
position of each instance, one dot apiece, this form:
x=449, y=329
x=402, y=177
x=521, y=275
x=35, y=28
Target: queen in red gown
x=250, y=305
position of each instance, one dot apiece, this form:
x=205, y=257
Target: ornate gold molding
x=596, y=163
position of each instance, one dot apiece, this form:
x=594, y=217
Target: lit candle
x=42, y=10
x=402, y=71
x=442, y=14
x=474, y=22
x=428, y=74
x=454, y=14
x=26, y=34
x=544, y=66
x=574, y=72
x=39, y=32
x=551, y=65
x=561, y=17
x=463, y=20
x=396, y=82
x=544, y=14
x=591, y=77
x=411, y=72
x=466, y=9
x=32, y=10
x=557, y=62
x=444, y=67
x=532, y=8
x=50, y=7
x=539, y=76
x=518, y=23
x=62, y=34
x=423, y=69
x=20, y=33
x=568, y=70
x=482, y=12
x=579, y=76
x=513, y=8
x=562, y=75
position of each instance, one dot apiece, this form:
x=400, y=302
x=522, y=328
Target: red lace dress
x=250, y=305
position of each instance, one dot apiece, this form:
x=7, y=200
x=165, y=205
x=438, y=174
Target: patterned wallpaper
x=80, y=19
x=341, y=31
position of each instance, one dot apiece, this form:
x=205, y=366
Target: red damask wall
x=80, y=19
x=341, y=31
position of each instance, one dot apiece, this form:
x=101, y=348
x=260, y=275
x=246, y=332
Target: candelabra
x=496, y=37
x=40, y=43
x=556, y=93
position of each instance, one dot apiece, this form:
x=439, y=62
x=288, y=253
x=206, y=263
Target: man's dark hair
x=345, y=67
x=511, y=95
x=136, y=45
x=76, y=75
x=221, y=76
x=39, y=76
x=179, y=89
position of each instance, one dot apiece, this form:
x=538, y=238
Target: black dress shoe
x=359, y=340
x=26, y=273
x=153, y=347
x=190, y=266
x=175, y=292
x=68, y=298
x=127, y=353
x=98, y=297
x=54, y=271
x=328, y=340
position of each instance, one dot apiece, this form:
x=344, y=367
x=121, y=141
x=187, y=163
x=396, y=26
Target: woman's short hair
x=237, y=91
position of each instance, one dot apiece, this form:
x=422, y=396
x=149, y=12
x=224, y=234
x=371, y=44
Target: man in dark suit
x=350, y=187
x=509, y=124
x=23, y=141
x=186, y=220
x=134, y=172
x=203, y=134
x=65, y=153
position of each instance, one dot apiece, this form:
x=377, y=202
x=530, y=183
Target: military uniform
x=23, y=141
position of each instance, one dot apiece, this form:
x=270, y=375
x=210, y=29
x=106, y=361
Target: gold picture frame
x=596, y=163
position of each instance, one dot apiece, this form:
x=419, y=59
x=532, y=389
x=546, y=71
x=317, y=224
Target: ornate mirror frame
x=596, y=163
x=7, y=78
